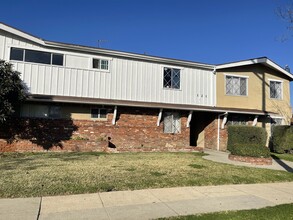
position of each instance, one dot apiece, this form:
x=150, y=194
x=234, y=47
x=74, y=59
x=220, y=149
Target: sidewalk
x=149, y=203
x=222, y=157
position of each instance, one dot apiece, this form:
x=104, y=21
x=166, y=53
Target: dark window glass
x=98, y=113
x=103, y=113
x=171, y=78
x=95, y=113
x=57, y=59
x=16, y=54
x=54, y=112
x=37, y=56
x=96, y=64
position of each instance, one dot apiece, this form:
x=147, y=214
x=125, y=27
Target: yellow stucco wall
x=258, y=96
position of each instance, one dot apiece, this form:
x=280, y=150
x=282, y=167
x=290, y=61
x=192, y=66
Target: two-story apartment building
x=86, y=98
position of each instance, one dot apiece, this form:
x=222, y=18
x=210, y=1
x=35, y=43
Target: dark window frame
x=50, y=59
x=98, y=113
x=100, y=64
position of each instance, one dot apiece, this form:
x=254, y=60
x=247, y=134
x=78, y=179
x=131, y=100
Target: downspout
x=114, y=115
x=218, y=138
x=215, y=86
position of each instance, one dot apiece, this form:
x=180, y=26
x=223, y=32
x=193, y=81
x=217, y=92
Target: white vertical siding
x=127, y=79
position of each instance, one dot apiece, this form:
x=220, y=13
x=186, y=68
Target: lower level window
x=237, y=120
x=98, y=113
x=172, y=122
x=40, y=111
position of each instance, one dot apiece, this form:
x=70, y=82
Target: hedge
x=251, y=150
x=282, y=138
x=247, y=141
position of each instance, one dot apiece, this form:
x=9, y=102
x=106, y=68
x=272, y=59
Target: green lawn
x=42, y=174
x=280, y=212
x=288, y=157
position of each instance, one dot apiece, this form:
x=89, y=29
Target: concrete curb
x=149, y=203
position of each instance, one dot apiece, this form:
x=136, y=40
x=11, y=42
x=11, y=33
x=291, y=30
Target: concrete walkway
x=222, y=157
x=148, y=204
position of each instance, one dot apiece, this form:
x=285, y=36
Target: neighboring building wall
x=258, y=91
x=135, y=130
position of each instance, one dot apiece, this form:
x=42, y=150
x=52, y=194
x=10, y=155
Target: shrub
x=251, y=150
x=282, y=138
x=247, y=141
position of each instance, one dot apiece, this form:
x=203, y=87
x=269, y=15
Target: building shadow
x=46, y=133
x=282, y=164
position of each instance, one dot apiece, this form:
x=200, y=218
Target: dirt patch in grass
x=43, y=174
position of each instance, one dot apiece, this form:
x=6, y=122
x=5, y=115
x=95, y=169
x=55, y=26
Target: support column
x=159, y=117
x=114, y=115
x=189, y=119
x=255, y=120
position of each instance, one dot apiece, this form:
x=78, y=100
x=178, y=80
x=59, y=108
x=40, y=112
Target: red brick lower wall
x=252, y=160
x=211, y=136
x=135, y=130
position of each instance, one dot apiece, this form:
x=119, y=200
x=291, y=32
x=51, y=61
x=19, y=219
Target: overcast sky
x=208, y=31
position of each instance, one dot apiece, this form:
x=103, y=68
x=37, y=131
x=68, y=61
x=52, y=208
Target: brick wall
x=135, y=130
x=211, y=136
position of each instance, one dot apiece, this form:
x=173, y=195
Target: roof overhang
x=123, y=54
x=100, y=51
x=263, y=60
x=21, y=34
x=111, y=102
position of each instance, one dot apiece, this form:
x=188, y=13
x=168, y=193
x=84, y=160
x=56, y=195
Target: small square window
x=16, y=54
x=98, y=113
x=101, y=64
x=171, y=78
x=57, y=59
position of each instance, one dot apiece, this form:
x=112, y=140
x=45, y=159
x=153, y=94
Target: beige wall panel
x=258, y=91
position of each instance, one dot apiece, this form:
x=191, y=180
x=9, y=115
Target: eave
x=262, y=60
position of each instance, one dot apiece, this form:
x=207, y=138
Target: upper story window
x=171, y=78
x=275, y=89
x=101, y=64
x=98, y=113
x=236, y=85
x=172, y=122
x=36, y=56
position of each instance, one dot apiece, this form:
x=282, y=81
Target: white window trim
x=65, y=53
x=239, y=76
x=282, y=88
x=36, y=49
x=179, y=120
x=235, y=75
x=100, y=58
x=172, y=67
